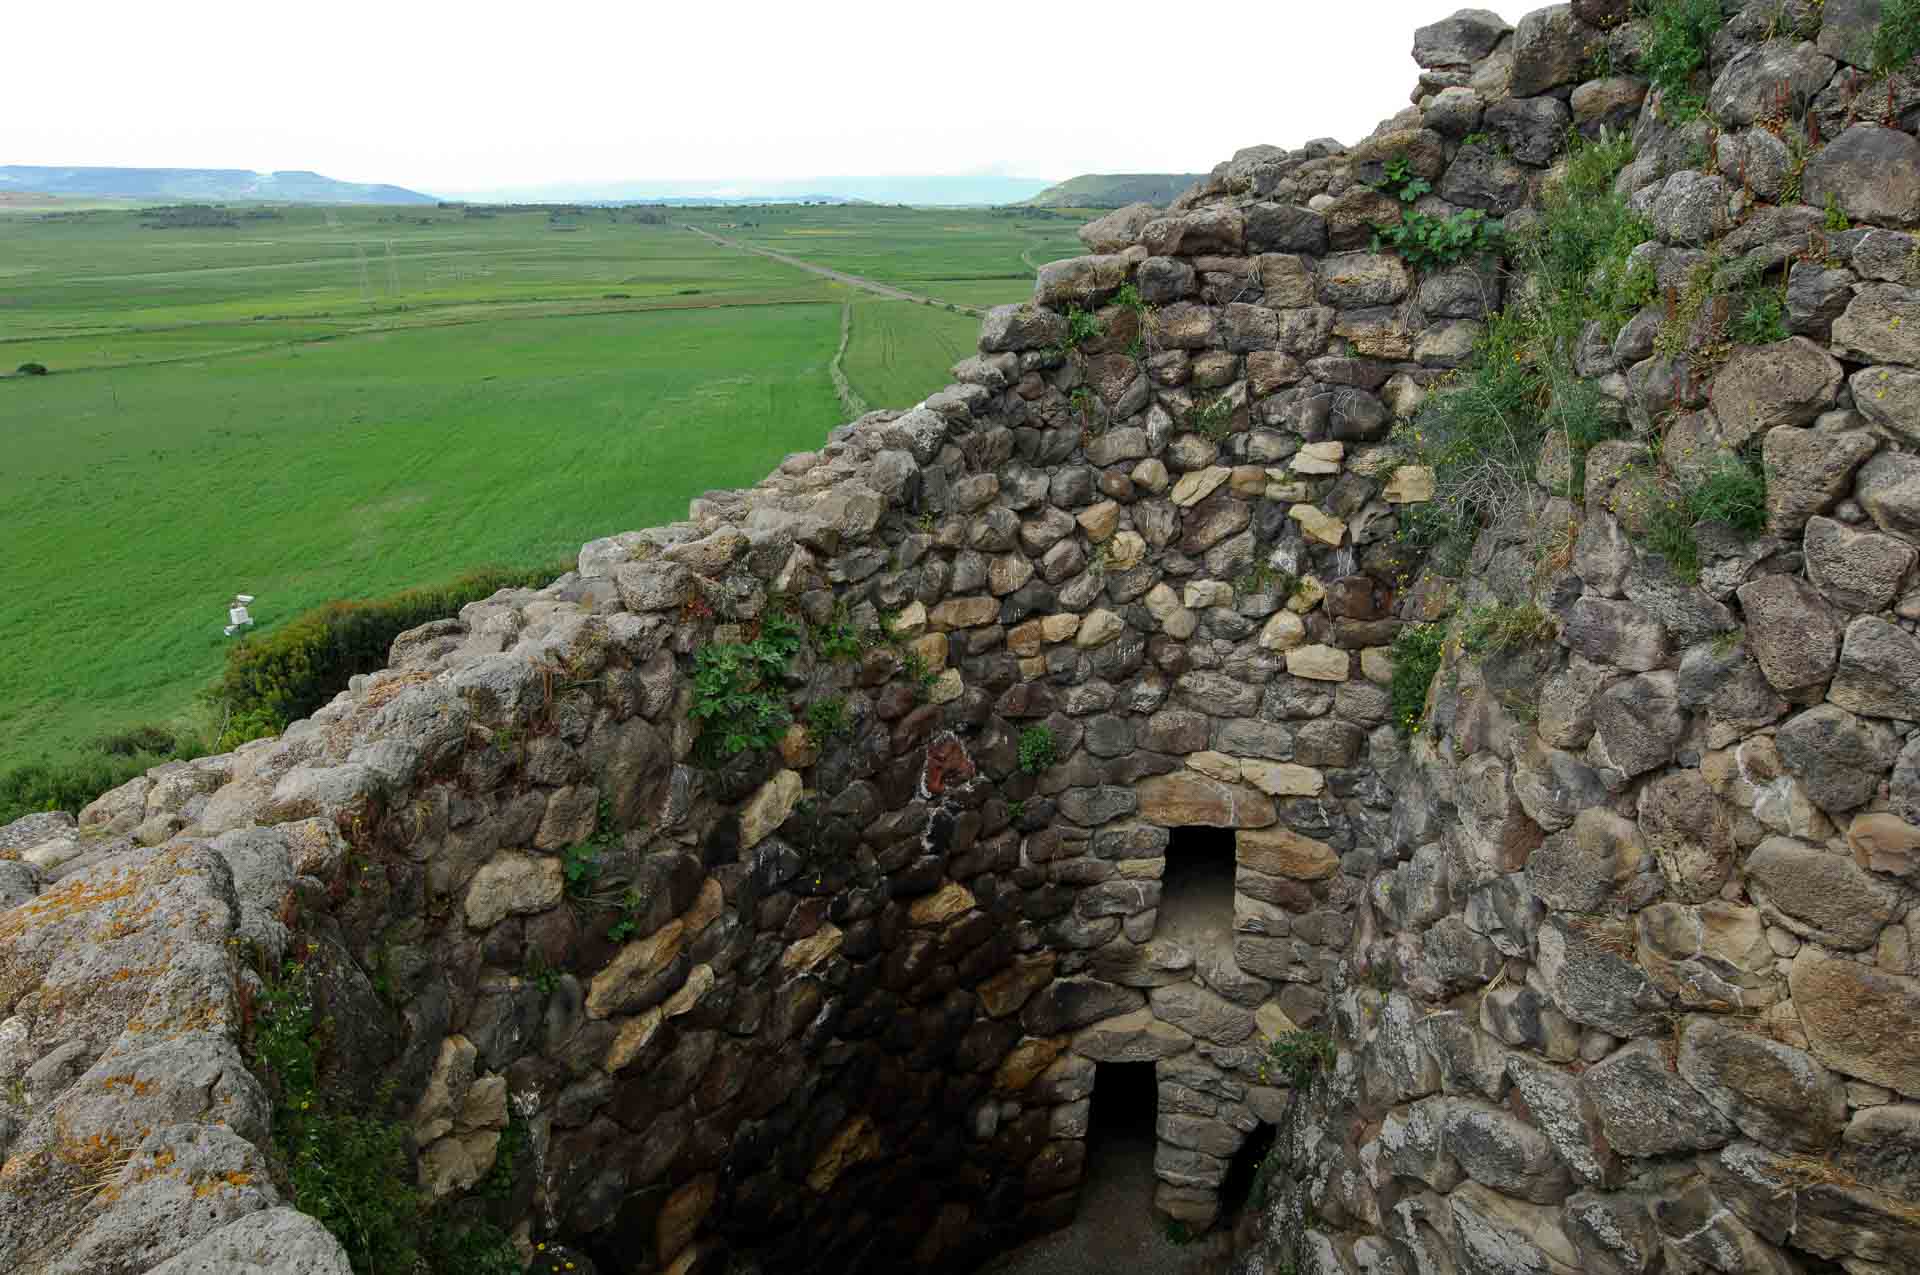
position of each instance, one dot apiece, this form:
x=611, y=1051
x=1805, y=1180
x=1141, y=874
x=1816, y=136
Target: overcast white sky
x=479, y=95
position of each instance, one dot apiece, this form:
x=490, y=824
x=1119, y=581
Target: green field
x=338, y=403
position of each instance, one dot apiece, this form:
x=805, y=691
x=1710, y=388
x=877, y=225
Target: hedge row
x=277, y=677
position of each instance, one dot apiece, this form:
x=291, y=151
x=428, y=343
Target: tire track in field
x=839, y=276
x=854, y=405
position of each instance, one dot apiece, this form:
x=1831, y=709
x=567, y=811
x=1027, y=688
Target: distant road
x=852, y=280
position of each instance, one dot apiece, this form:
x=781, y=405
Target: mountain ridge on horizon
x=293, y=185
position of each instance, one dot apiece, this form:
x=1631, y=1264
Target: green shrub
x=1896, y=41
x=1678, y=37
x=1037, y=749
x=1082, y=327
x=1492, y=629
x=69, y=782
x=1733, y=492
x=739, y=698
x=289, y=671
x=1298, y=1056
x=1400, y=181
x=351, y=1171
x=1211, y=417
x=1761, y=320
x=828, y=717
x=1425, y=241
x=1483, y=430
x=1836, y=220
x=1417, y=653
x=32, y=369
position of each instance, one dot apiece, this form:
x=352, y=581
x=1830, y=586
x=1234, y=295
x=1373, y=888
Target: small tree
x=32, y=369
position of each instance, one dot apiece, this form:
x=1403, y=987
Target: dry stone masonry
x=1619, y=955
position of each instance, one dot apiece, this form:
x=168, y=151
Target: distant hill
x=292, y=186
x=1113, y=190
x=750, y=190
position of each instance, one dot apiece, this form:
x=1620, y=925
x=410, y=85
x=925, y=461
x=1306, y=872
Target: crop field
x=340, y=402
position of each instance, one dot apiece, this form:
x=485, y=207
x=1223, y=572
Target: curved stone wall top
x=841, y=1001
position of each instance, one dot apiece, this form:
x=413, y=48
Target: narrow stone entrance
x=1196, y=889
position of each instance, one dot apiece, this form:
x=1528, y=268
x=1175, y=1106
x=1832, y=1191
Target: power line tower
x=393, y=272
x=360, y=252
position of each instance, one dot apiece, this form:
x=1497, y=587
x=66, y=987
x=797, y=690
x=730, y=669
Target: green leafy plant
x=1482, y=431
x=31, y=369
x=1836, y=221
x=917, y=673
x=1425, y=241
x=1298, y=1056
x=1402, y=182
x=350, y=1170
x=1037, y=749
x=1016, y=810
x=582, y=865
x=1418, y=650
x=1178, y=1233
x=828, y=717
x=1082, y=327
x=1761, y=320
x=1211, y=417
x=1261, y=576
x=1734, y=492
x=738, y=697
x=836, y=640
x=1679, y=34
x=1495, y=628
x=1896, y=41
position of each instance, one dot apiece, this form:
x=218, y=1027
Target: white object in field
x=238, y=617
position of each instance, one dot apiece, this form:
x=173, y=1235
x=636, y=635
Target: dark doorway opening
x=1196, y=889
x=1126, y=1100
x=1236, y=1193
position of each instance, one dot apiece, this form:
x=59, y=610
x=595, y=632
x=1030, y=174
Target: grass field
x=340, y=402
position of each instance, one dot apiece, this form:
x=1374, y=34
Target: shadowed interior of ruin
x=1196, y=894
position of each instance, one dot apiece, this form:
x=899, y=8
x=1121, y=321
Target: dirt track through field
x=838, y=276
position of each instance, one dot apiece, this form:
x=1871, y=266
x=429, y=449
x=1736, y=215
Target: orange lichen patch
x=140, y=1087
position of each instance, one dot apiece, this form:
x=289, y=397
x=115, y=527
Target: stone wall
x=1633, y=988
x=840, y=1002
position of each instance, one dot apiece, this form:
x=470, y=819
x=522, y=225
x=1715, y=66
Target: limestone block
x=1282, y=632
x=1195, y=487
x=1319, y=663
x=512, y=884
x=1134, y=1037
x=630, y=977
x=813, y=951
x=1283, y=779
x=1318, y=525
x=1187, y=797
x=1318, y=458
x=1281, y=852
x=1410, y=485
x=769, y=807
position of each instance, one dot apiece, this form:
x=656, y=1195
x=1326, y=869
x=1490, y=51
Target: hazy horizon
x=387, y=94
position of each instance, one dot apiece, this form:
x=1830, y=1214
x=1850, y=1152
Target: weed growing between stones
x=581, y=865
x=1762, y=320
x=1678, y=37
x=1493, y=629
x=1423, y=240
x=1178, y=1233
x=1297, y=1057
x=738, y=696
x=1896, y=41
x=1836, y=222
x=1418, y=650
x=1211, y=418
x=1037, y=749
x=1734, y=492
x=836, y=640
x=351, y=1171
x=1082, y=327
x=1482, y=431
x=827, y=718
